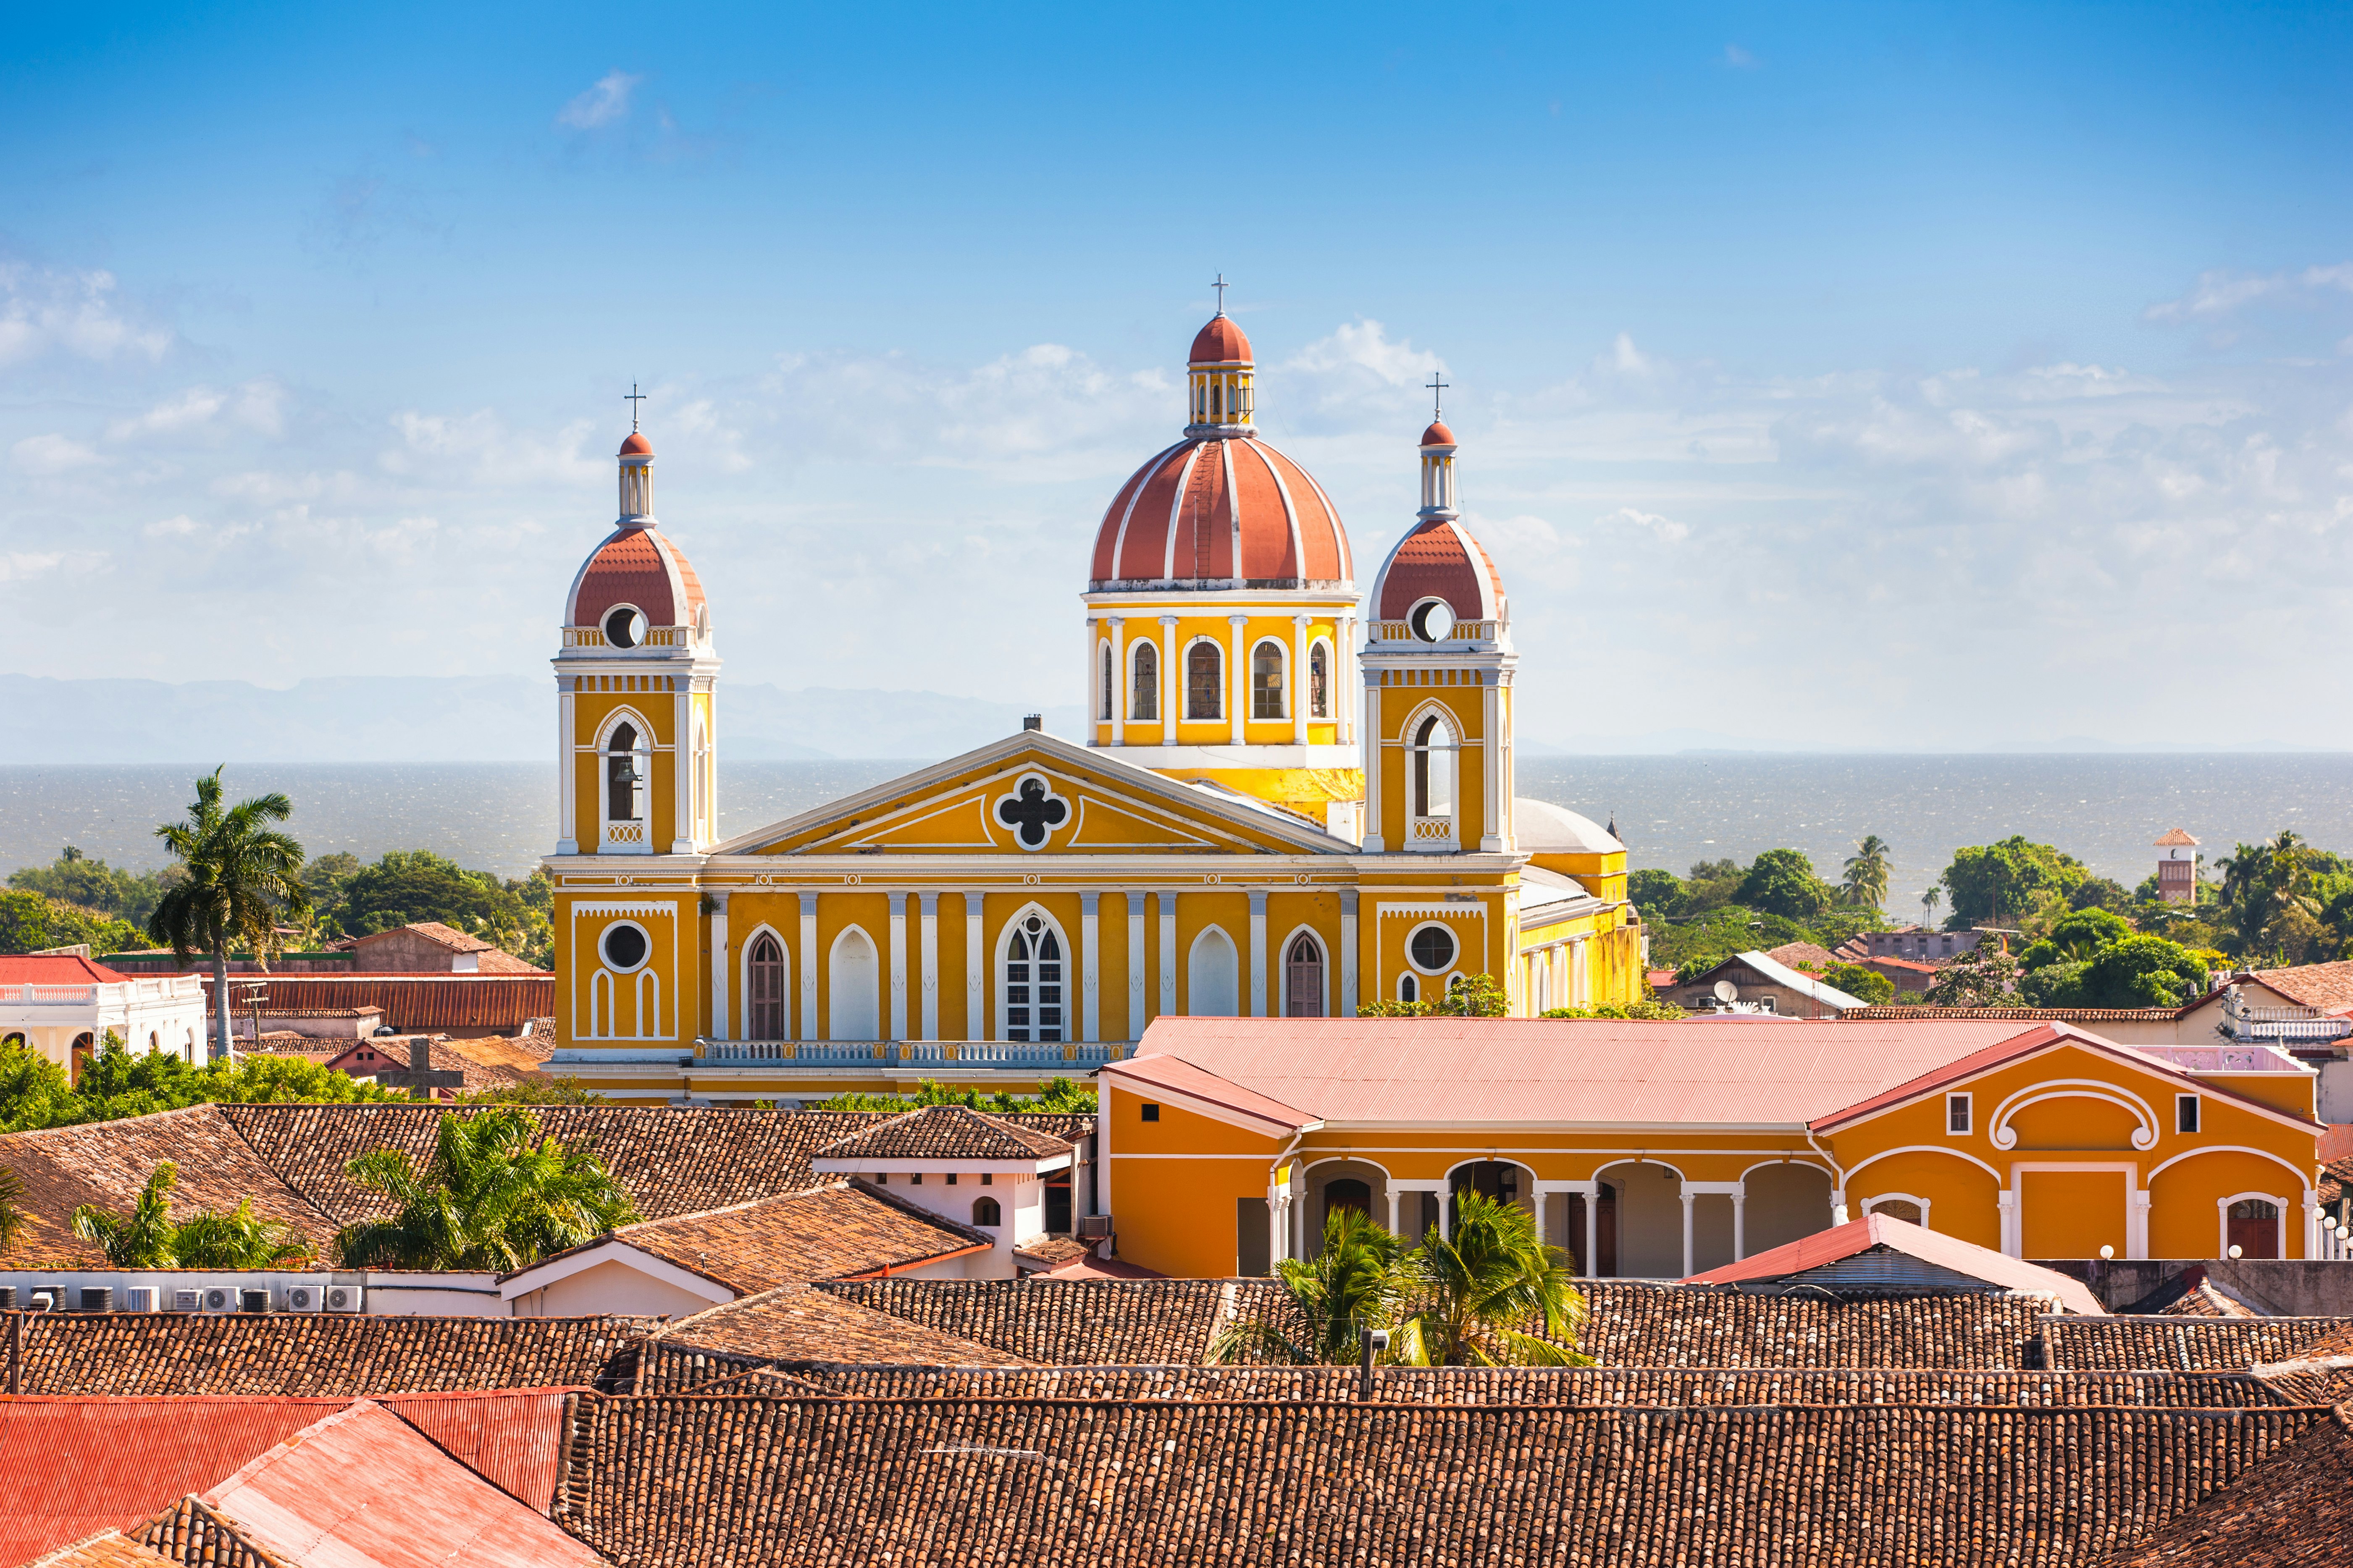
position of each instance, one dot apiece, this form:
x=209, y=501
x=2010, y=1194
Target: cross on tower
x=1031, y=812
x=419, y=1077
x=1221, y=285
x=633, y=398
x=1436, y=387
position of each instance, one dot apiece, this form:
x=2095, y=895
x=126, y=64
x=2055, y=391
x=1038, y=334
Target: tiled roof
x=320, y=1354
x=2323, y=987
x=841, y=1229
x=800, y=1322
x=422, y=1003
x=2186, y=1344
x=1069, y=1322
x=1794, y=953
x=107, y=1549
x=689, y=1479
x=2294, y=1511
x=946, y=1132
x=443, y=1055
x=1629, y=1325
x=1052, y=1251
x=1611, y=1386
x=436, y=932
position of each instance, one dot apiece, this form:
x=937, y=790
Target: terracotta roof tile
x=2323, y=987
x=837, y=1230
x=2185, y=1344
x=419, y=1003
x=2293, y=1510
x=800, y=1322
x=1069, y=1322
x=946, y=1132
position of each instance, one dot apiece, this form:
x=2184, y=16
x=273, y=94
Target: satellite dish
x=1725, y=991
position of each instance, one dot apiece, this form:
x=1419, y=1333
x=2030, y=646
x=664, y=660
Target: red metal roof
x=417, y=1003
x=363, y=1486
x=54, y=968
x=1944, y=1251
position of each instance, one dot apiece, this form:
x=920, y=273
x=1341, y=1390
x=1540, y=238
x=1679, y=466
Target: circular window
x=1431, y=620
x=1431, y=948
x=624, y=627
x=624, y=947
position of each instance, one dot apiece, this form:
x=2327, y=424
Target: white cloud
x=602, y=104
x=178, y=526
x=2221, y=292
x=46, y=455
x=74, y=312
x=25, y=566
x=1738, y=57
x=1667, y=529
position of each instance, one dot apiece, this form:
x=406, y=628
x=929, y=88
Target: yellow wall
x=1142, y=625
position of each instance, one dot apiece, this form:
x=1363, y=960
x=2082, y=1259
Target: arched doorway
x=1213, y=979
x=1347, y=1192
x=764, y=986
x=1501, y=1181
x=84, y=1045
x=1784, y=1202
x=1303, y=978
x=1647, y=1215
x=2254, y=1227
x=855, y=1009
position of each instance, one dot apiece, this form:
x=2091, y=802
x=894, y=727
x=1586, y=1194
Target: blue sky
x=1836, y=344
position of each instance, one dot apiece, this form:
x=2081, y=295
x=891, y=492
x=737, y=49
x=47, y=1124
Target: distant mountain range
x=456, y=719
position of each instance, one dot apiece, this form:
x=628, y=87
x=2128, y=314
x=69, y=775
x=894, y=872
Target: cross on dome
x=633, y=398
x=1221, y=285
x=1436, y=387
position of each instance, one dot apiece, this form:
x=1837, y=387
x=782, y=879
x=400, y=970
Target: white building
x=60, y=1005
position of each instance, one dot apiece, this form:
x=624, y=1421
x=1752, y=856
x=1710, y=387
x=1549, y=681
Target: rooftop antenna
x=1436, y=387
x=633, y=398
x=1221, y=285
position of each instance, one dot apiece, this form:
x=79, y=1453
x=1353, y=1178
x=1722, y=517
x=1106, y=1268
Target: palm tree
x=1866, y=873
x=494, y=1195
x=12, y=1207
x=1928, y=907
x=238, y=1239
x=241, y=876
x=1478, y=1286
x=144, y=1238
x=1351, y=1285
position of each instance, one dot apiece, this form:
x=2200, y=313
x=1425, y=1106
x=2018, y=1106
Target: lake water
x=2106, y=810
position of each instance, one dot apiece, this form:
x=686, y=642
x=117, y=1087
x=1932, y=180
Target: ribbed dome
x=1439, y=560
x=1213, y=509
x=636, y=566
x=1220, y=342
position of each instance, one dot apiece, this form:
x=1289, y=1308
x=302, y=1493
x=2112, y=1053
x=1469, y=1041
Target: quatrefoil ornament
x=1032, y=811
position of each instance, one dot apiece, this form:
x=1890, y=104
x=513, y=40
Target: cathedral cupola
x=1218, y=373
x=637, y=481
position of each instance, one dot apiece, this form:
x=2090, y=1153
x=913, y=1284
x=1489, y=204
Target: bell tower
x=1439, y=662
x=636, y=690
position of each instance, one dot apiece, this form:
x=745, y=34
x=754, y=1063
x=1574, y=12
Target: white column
x=898, y=966
x=1167, y=919
x=2135, y=1222
x=1237, y=676
x=2006, y=1201
x=1739, y=1225
x=1491, y=769
x=1299, y=681
x=1687, y=1197
x=1393, y=1208
x=1258, y=951
x=1343, y=676
x=811, y=1027
x=1093, y=710
x=930, y=954
x=1593, y=1229
x=1119, y=698
x=1348, y=996
x=1135, y=1009
x=1370, y=747
x=976, y=1020
x=719, y=968
x=1090, y=965
x=681, y=774
x=567, y=769
x=1171, y=681
x=1445, y=1211
x=2311, y=1225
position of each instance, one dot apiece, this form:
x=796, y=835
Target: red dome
x=1438, y=559
x=1437, y=434
x=1220, y=342
x=637, y=445
x=636, y=566
x=1215, y=509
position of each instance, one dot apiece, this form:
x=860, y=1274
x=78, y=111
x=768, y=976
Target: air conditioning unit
x=306, y=1298
x=1094, y=1228
x=185, y=1299
x=141, y=1298
x=345, y=1298
x=219, y=1298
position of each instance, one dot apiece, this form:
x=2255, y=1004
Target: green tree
x=1056, y=1096
x=34, y=1091
x=142, y=1239
x=496, y=1195
x=1856, y=981
x=1999, y=884
x=325, y=876
x=75, y=878
x=1474, y=1293
x=1466, y=997
x=1928, y=907
x=1657, y=894
x=1711, y=884
x=2074, y=938
x=1353, y=1283
x=241, y=876
x=1866, y=873
x=12, y=1207
x=2102, y=893
x=238, y=1239
x=1783, y=882
x=1980, y=977
x=2268, y=898
x=2144, y=971
x=31, y=921
x=411, y=885
x=1649, y=1007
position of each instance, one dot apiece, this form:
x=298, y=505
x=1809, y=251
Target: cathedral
x=1292, y=800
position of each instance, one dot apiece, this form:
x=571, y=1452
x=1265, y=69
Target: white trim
x=1452, y=959
x=1967, y=1098
x=1192, y=970
x=2302, y=1177
x=2135, y=1243
x=1915, y=1200
x=1769, y=1165
x=2222, y=1220
x=612, y=1249
x=1330, y=714
x=1176, y=507
x=1345, y=1159
x=1068, y=960
x=1644, y=1159
x=2001, y=1135
x=1290, y=515
x=743, y=979
x=1185, y=682
x=1855, y=1171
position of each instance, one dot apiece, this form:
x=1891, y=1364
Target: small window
x=880, y=1180
x=1409, y=989
x=624, y=946
x=1266, y=680
x=1108, y=684
x=1431, y=620
x=952, y=1178
x=1957, y=1113
x=1432, y=948
x=917, y=1179
x=624, y=627
x=1319, y=683
x=986, y=1180
x=1204, y=682
x=985, y=1211
x=1144, y=703
x=2185, y=1113
x=1152, y=1114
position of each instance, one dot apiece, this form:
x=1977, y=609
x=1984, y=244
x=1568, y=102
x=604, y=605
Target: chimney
x=1034, y=721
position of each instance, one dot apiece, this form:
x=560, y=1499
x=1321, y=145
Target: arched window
x=1109, y=684
x=856, y=1011
x=1408, y=988
x=1204, y=682
x=1033, y=982
x=1433, y=768
x=1302, y=979
x=1319, y=681
x=1347, y=1192
x=1266, y=680
x=764, y=974
x=621, y=778
x=1144, y=688
x=1213, y=981
x=985, y=1211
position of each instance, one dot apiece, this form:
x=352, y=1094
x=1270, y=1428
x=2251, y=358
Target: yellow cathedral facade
x=1292, y=799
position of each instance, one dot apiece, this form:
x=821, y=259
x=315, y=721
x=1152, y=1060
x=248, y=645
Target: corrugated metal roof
x=1841, y=1242
x=513, y=1438
x=417, y=1002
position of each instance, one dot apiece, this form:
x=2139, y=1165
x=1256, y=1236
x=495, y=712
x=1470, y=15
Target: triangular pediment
x=1035, y=794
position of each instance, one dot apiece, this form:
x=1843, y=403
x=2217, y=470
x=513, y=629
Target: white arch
x=1636, y=1160
x=743, y=981
x=854, y=1004
x=2302, y=1179
x=1768, y=1164
x=1138, y=650
x=1283, y=969
x=1106, y=682
x=1281, y=687
x=1346, y=1160
x=626, y=714
x=2000, y=1134
x=1213, y=989
x=996, y=972
x=1450, y=752
x=1914, y=1199
x=1920, y=1149
x=2223, y=1221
